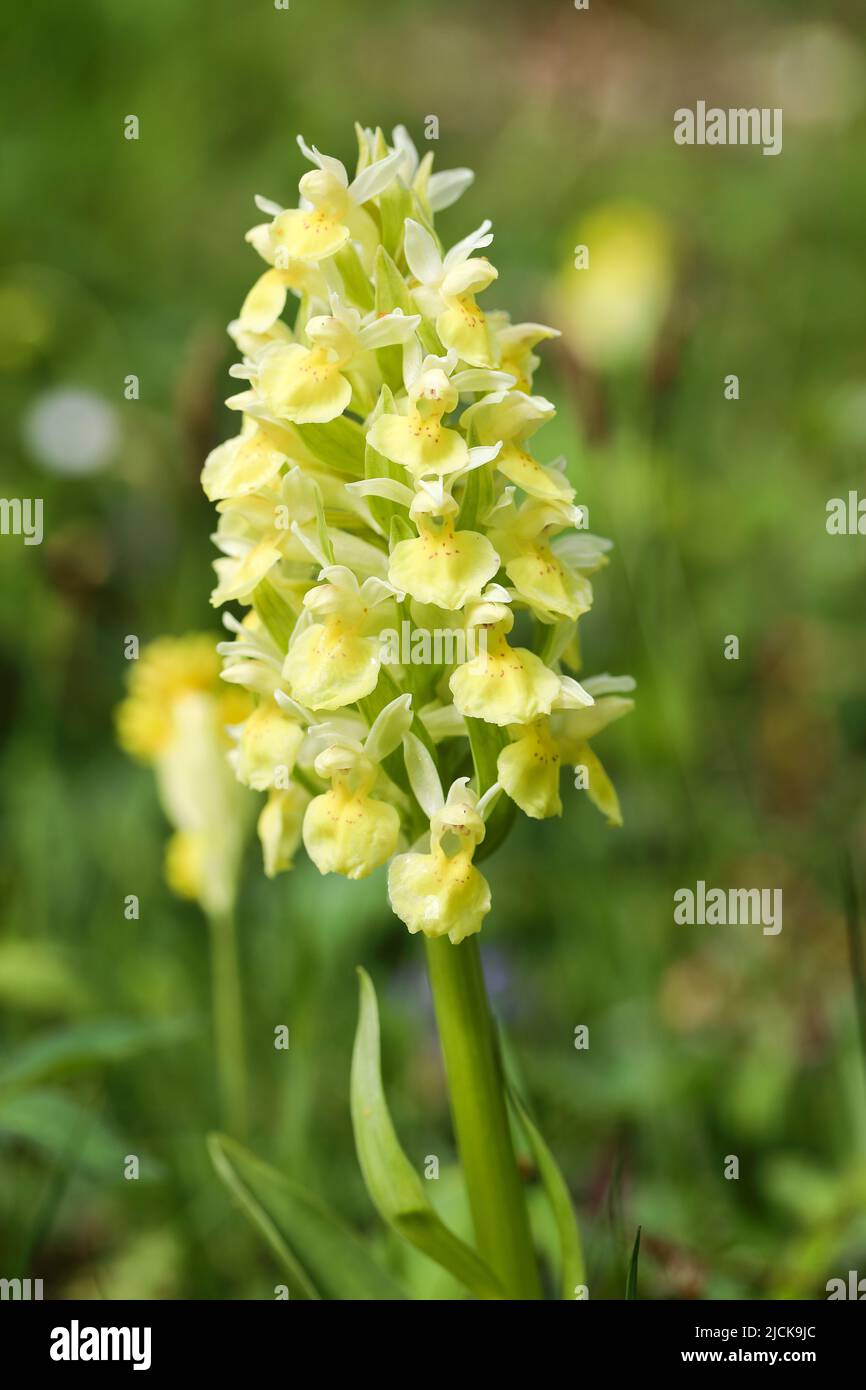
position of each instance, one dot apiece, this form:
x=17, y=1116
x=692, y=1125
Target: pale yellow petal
x=308, y=235
x=241, y=466
x=424, y=446
x=330, y=666
x=279, y=828
x=268, y=747
x=547, y=585
x=504, y=685
x=349, y=834
x=528, y=769
x=462, y=327
x=438, y=896
x=302, y=386
x=446, y=569
x=599, y=788
x=527, y=473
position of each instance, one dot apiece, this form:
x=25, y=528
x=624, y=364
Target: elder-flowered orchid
x=447, y=286
x=416, y=436
x=332, y=208
x=382, y=481
x=334, y=660
x=440, y=892
x=412, y=581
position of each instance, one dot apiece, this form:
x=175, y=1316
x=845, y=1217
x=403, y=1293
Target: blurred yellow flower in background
x=611, y=311
x=175, y=718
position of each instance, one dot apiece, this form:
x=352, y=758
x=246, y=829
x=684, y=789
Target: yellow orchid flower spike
x=411, y=579
x=380, y=495
x=176, y=718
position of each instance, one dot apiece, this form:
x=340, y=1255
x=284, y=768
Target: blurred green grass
x=128, y=257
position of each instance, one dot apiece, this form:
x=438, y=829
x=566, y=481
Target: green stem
x=480, y=1117
x=228, y=1022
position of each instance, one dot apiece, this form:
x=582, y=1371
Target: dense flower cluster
x=382, y=478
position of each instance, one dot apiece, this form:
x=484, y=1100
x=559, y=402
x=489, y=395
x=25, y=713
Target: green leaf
x=322, y=530
x=395, y=205
x=357, y=286
x=631, y=1282
x=395, y=1188
x=82, y=1045
x=59, y=1126
x=391, y=290
x=322, y=1257
x=339, y=444
x=572, y=1269
x=377, y=466
x=274, y=612
x=477, y=497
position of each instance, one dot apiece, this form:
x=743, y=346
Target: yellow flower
x=443, y=566
x=505, y=684
x=335, y=661
x=512, y=417
x=248, y=462
x=528, y=770
x=528, y=767
x=418, y=439
x=334, y=210
x=346, y=830
x=447, y=288
x=514, y=343
x=279, y=827
x=166, y=671
x=522, y=537
x=382, y=482
x=442, y=893
x=266, y=300
x=268, y=745
x=573, y=728
x=307, y=385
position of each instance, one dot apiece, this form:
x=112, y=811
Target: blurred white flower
x=71, y=431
